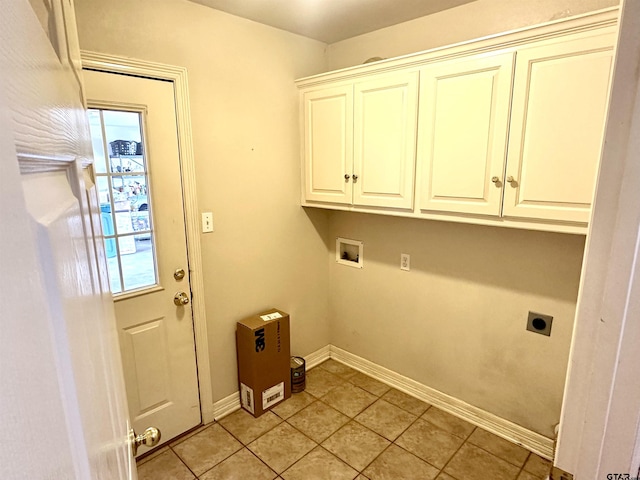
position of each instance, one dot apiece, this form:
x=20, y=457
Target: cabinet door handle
x=355, y=178
x=510, y=179
x=347, y=177
x=495, y=179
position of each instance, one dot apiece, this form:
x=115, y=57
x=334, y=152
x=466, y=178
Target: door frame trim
x=178, y=76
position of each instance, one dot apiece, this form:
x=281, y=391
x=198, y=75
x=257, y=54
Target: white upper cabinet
x=464, y=117
x=560, y=97
x=328, y=144
x=359, y=142
x=385, y=115
x=505, y=130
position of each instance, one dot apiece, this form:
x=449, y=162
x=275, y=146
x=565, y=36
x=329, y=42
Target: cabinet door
x=328, y=144
x=560, y=98
x=385, y=118
x=462, y=140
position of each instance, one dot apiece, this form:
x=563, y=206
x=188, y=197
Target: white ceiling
x=331, y=20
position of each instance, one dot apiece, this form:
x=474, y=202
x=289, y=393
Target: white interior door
x=133, y=128
x=62, y=407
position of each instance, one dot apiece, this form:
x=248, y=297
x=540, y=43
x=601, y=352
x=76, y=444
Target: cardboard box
x=264, y=354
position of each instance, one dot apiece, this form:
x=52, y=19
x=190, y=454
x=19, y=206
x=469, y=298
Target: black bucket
x=298, y=380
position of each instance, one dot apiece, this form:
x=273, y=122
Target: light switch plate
x=405, y=262
x=207, y=222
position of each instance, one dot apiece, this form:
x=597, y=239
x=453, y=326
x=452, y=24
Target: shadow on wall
x=319, y=219
x=537, y=263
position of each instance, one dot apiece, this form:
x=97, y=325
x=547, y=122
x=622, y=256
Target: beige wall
x=266, y=251
x=457, y=321
x=466, y=22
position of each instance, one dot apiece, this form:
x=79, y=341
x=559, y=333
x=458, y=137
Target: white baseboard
x=532, y=441
x=226, y=406
x=317, y=357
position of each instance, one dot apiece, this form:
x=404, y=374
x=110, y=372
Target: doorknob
x=180, y=299
x=150, y=437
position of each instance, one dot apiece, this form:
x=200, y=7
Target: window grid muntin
x=109, y=175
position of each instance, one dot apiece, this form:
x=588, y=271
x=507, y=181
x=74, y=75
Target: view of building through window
x=125, y=203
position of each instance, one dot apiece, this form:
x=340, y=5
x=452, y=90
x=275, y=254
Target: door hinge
x=559, y=474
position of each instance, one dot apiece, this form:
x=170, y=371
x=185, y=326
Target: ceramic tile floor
x=344, y=426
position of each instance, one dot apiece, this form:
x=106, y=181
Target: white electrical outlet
x=207, y=222
x=405, y=261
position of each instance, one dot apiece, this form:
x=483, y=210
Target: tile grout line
x=246, y=445
x=319, y=399
x=376, y=457
x=259, y=436
x=243, y=445
x=390, y=388
x=405, y=410
x=317, y=446
x=352, y=418
x=392, y=442
x=467, y=439
x=348, y=381
x=278, y=475
x=376, y=398
x=522, y=468
x=419, y=417
x=262, y=461
x=419, y=458
x=456, y=452
x=231, y=433
x=183, y=462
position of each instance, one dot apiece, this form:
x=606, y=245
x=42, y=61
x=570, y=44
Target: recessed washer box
x=264, y=355
x=350, y=252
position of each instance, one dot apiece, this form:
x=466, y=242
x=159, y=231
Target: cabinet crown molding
x=596, y=20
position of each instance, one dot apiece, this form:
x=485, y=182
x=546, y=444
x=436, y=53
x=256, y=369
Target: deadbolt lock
x=179, y=274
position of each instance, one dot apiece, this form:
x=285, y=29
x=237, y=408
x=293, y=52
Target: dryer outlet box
x=539, y=323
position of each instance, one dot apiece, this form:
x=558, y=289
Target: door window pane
x=125, y=202
x=138, y=269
